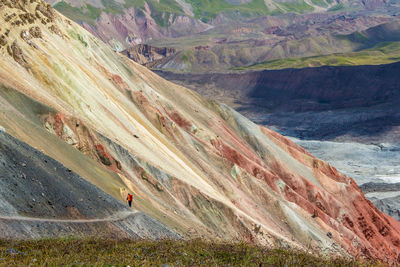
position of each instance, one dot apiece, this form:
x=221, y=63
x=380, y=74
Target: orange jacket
x=130, y=197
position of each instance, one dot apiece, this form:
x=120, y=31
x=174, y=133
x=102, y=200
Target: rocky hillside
x=222, y=34
x=376, y=46
x=144, y=54
x=348, y=116
x=39, y=197
x=197, y=167
x=307, y=41
x=123, y=24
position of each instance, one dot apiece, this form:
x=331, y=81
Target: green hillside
x=204, y=10
x=90, y=13
x=383, y=53
x=208, y=9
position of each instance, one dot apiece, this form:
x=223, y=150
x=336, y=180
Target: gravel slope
x=39, y=197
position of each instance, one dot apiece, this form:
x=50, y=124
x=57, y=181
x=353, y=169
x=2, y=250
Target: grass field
x=383, y=53
x=90, y=252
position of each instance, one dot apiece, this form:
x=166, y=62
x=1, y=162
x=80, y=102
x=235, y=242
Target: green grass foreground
x=91, y=252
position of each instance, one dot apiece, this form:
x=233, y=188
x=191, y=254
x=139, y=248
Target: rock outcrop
x=144, y=53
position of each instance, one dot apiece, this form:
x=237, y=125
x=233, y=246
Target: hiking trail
x=113, y=218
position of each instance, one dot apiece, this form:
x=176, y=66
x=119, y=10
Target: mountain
x=308, y=46
x=42, y=198
x=346, y=115
x=222, y=34
x=83, y=125
x=380, y=54
x=377, y=45
x=123, y=24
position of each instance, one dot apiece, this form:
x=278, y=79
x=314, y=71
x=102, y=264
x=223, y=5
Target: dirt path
x=115, y=217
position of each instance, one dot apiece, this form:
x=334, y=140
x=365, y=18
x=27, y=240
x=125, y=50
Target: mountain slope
x=377, y=45
x=346, y=115
x=307, y=43
x=380, y=54
x=122, y=24
x=198, y=167
x=41, y=198
x=210, y=9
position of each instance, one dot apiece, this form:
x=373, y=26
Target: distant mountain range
x=375, y=45
x=223, y=23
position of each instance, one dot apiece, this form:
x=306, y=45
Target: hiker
x=129, y=199
x=315, y=214
x=329, y=234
